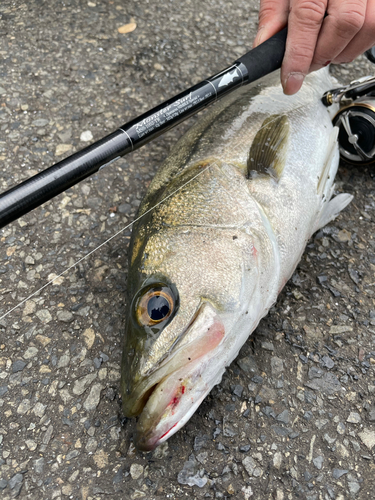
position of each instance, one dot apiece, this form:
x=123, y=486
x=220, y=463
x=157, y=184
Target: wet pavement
x=294, y=416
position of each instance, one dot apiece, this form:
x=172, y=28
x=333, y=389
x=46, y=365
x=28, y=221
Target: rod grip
x=266, y=57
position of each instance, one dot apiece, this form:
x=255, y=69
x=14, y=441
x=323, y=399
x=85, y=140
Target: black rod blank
x=22, y=198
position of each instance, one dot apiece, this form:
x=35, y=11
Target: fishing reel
x=355, y=119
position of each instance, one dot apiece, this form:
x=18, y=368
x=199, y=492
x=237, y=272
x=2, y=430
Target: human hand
x=313, y=40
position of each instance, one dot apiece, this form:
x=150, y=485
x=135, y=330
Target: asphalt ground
x=294, y=415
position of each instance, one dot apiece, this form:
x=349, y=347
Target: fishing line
x=121, y=230
x=104, y=243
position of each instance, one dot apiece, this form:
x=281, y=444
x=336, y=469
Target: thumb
x=273, y=16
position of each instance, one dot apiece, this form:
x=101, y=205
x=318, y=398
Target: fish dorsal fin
x=268, y=150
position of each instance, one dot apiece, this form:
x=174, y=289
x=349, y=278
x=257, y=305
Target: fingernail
x=293, y=83
x=258, y=38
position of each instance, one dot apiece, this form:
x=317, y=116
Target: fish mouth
x=165, y=400
x=170, y=405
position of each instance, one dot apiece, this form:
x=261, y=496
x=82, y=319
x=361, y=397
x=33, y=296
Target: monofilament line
x=104, y=243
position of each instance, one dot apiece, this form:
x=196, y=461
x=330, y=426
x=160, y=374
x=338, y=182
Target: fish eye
x=155, y=305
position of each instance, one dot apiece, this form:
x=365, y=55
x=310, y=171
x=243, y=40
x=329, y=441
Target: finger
x=273, y=16
x=344, y=20
x=304, y=23
x=363, y=40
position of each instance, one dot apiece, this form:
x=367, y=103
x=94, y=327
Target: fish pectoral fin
x=268, y=150
x=330, y=165
x=332, y=209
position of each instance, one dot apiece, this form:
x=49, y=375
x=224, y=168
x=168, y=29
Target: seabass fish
x=225, y=222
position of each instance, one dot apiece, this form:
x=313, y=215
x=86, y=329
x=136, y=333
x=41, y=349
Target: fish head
x=185, y=288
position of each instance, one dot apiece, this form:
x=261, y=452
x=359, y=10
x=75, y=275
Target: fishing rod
x=355, y=119
x=33, y=192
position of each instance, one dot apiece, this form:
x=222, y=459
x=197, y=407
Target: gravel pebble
x=277, y=366
x=252, y=467
x=72, y=454
x=31, y=444
x=65, y=316
x=15, y=484
x=44, y=315
x=200, y=442
x=89, y=337
x=97, y=363
x=189, y=476
x=91, y=445
x=318, y=461
x=47, y=436
x=81, y=384
x=124, y=208
x=62, y=149
x=283, y=417
x=277, y=460
x=31, y=352
x=341, y=428
x=39, y=409
x=337, y=473
x=328, y=362
x=136, y=471
x=24, y=407
x=327, y=384
x=244, y=448
x=338, y=329
x=248, y=364
x=63, y=361
x=354, y=418
x=354, y=487
x=39, y=465
x=268, y=346
x=86, y=136
x=238, y=390
x=93, y=398
x=30, y=307
x=367, y=437
x=18, y=366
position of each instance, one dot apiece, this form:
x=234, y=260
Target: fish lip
x=148, y=439
x=148, y=442
x=143, y=387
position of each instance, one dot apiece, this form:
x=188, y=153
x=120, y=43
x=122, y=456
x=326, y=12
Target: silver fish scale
x=224, y=228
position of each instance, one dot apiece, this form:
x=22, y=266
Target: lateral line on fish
x=215, y=163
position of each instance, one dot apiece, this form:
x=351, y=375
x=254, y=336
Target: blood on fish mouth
x=147, y=442
x=174, y=401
